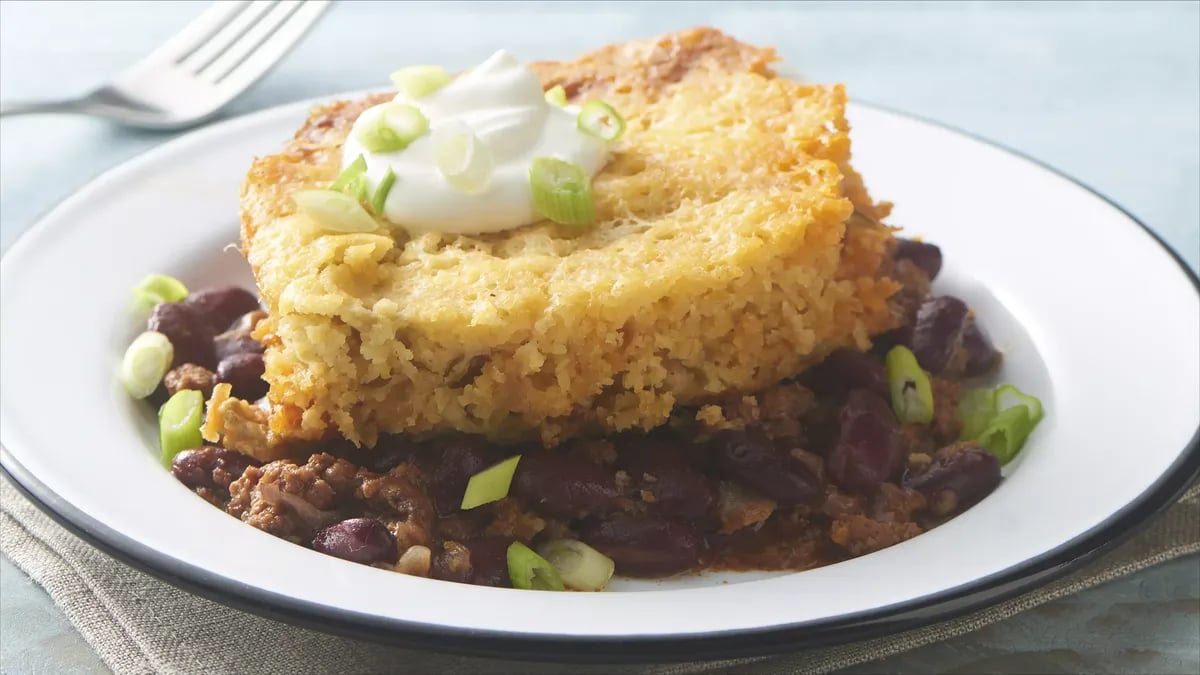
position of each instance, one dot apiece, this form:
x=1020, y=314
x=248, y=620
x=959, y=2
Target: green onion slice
x=353, y=180
x=581, y=567
x=349, y=175
x=976, y=410
x=391, y=127
x=600, y=120
x=556, y=95
x=463, y=159
x=490, y=485
x=530, y=571
x=146, y=361
x=335, y=211
x=179, y=423
x=1007, y=432
x=1008, y=396
x=159, y=288
x=418, y=81
x=911, y=393
x=562, y=191
x=381, y=192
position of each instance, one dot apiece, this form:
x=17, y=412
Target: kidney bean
x=389, y=451
x=449, y=462
x=645, y=546
x=190, y=335
x=489, y=561
x=221, y=305
x=210, y=467
x=660, y=471
x=244, y=372
x=247, y=322
x=869, y=449
x=360, y=540
x=845, y=369
x=926, y=256
x=958, y=478
x=562, y=486
x=981, y=355
x=938, y=332
x=230, y=343
x=751, y=459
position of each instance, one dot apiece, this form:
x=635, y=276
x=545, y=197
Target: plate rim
x=877, y=622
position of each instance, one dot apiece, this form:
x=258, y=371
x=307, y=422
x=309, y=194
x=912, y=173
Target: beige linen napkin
x=138, y=624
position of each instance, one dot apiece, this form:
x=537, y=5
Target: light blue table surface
x=1108, y=93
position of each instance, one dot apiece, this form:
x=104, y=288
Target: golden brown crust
x=720, y=261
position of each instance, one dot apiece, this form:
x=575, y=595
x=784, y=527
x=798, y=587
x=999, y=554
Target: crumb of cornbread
x=720, y=261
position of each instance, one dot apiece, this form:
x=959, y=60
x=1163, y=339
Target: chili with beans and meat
x=856, y=454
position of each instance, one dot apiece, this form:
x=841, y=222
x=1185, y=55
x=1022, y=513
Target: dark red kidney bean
x=645, y=546
x=869, y=449
x=210, y=467
x=390, y=451
x=449, y=462
x=562, y=486
x=937, y=332
x=189, y=333
x=221, y=305
x=247, y=322
x=677, y=488
x=229, y=343
x=926, y=256
x=957, y=481
x=845, y=369
x=981, y=355
x=489, y=561
x=244, y=372
x=360, y=540
x=750, y=458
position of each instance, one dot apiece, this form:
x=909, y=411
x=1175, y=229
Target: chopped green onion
x=1006, y=433
x=556, y=95
x=179, y=423
x=463, y=159
x=562, y=192
x=976, y=410
x=391, y=127
x=581, y=567
x=335, y=211
x=159, y=288
x=418, y=81
x=530, y=571
x=600, y=120
x=490, y=485
x=381, y=192
x=146, y=361
x=1008, y=396
x=912, y=395
x=353, y=180
x=349, y=175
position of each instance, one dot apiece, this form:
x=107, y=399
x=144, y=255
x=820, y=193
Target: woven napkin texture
x=138, y=624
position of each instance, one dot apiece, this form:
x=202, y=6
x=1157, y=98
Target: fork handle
x=69, y=105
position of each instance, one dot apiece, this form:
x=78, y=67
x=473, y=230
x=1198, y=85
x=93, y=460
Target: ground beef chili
x=805, y=473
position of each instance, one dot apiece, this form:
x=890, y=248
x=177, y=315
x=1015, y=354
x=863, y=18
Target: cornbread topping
x=502, y=104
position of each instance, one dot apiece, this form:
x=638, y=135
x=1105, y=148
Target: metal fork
x=199, y=70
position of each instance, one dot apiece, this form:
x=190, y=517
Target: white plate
x=1095, y=317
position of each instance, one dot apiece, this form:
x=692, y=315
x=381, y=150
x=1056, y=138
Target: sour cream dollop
x=502, y=102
